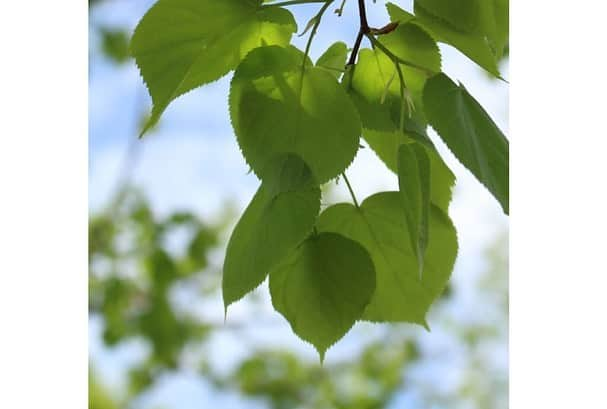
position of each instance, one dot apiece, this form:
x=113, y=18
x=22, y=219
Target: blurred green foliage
x=115, y=44
x=137, y=258
x=99, y=396
x=132, y=270
x=368, y=382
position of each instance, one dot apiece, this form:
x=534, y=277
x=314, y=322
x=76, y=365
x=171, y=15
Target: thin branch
x=355, y=49
x=364, y=29
x=362, y=12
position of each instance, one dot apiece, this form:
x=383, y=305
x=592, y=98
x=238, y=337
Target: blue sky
x=193, y=161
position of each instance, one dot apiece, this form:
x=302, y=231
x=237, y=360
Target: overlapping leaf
x=414, y=186
x=486, y=18
x=379, y=225
x=334, y=59
x=375, y=85
x=411, y=43
x=279, y=217
x=464, y=15
x=297, y=127
x=374, y=88
x=323, y=288
x=442, y=180
x=180, y=45
x=470, y=134
x=474, y=46
x=278, y=104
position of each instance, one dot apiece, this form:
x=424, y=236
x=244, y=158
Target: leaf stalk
x=350, y=189
x=318, y=19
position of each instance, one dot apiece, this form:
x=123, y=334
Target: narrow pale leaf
x=414, y=184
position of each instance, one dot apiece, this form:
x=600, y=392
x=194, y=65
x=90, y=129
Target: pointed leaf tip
x=426, y=326
x=280, y=216
x=323, y=288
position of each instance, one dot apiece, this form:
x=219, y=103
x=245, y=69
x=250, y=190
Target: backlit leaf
x=463, y=15
x=323, y=288
x=374, y=88
x=280, y=105
x=485, y=18
x=334, y=59
x=409, y=42
x=379, y=225
x=474, y=46
x=375, y=85
x=180, y=45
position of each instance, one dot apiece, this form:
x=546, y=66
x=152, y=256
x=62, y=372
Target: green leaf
x=279, y=217
x=334, y=59
x=414, y=185
x=374, y=85
x=497, y=25
x=280, y=105
x=323, y=288
x=469, y=133
x=463, y=15
x=374, y=88
x=485, y=18
x=379, y=225
x=386, y=145
x=180, y=45
x=474, y=46
x=409, y=42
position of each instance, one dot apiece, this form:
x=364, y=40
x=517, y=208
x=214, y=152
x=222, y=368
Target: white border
x=43, y=204
x=559, y=205
x=558, y=223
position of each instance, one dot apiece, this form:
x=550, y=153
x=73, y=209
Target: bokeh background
x=162, y=208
